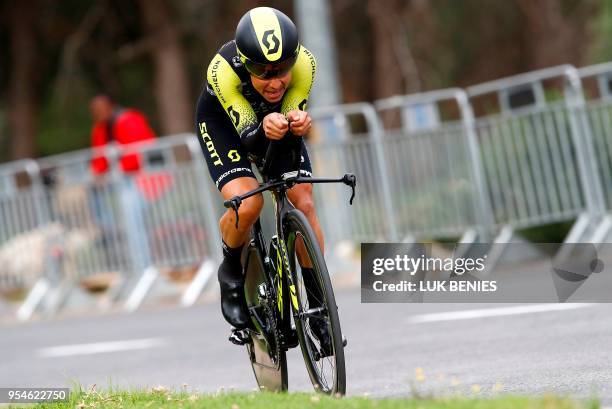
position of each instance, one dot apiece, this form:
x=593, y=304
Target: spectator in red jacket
x=120, y=125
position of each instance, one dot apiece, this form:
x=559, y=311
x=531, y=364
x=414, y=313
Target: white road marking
x=99, y=347
x=494, y=312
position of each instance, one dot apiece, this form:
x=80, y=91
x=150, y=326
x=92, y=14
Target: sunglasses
x=267, y=71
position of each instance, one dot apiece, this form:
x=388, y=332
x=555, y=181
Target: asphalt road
x=393, y=349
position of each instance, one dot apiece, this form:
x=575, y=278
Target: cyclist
x=257, y=88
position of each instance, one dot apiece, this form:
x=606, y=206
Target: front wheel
x=314, y=307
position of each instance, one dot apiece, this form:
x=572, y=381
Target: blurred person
x=115, y=126
x=256, y=91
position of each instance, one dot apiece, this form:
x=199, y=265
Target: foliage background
x=151, y=54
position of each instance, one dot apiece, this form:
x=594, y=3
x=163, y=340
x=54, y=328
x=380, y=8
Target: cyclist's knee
x=306, y=205
x=250, y=209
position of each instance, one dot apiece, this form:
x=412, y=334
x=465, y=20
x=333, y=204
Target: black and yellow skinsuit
x=230, y=112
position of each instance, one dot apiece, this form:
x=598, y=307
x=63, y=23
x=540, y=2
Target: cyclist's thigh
x=225, y=156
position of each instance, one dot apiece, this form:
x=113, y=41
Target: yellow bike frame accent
x=279, y=289
x=294, y=299
x=279, y=269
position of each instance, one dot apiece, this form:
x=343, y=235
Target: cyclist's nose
x=276, y=83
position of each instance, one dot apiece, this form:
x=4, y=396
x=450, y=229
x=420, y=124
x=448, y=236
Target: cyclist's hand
x=300, y=122
x=275, y=126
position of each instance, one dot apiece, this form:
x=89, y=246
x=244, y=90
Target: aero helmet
x=267, y=42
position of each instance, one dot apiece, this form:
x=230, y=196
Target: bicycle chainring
x=273, y=326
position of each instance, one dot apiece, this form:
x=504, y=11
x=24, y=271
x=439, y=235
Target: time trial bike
x=288, y=289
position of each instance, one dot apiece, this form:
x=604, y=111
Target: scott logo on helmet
x=266, y=41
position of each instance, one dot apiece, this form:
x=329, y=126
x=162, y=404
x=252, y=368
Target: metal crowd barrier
x=598, y=117
x=539, y=153
x=437, y=190
x=22, y=209
x=62, y=228
x=599, y=114
x=348, y=148
x=170, y=195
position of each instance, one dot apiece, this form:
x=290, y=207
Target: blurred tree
x=556, y=32
x=170, y=84
x=69, y=62
x=4, y=56
x=453, y=43
x=23, y=97
x=392, y=54
x=470, y=41
x=152, y=54
x=355, y=49
x=600, y=49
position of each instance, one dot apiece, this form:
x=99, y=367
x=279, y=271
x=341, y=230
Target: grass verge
x=162, y=398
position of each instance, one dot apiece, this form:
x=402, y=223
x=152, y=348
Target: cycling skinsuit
x=230, y=112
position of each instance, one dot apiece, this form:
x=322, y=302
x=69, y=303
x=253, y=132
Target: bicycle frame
x=278, y=188
x=269, y=278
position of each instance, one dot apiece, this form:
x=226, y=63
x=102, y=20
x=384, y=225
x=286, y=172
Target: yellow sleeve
x=303, y=74
x=225, y=83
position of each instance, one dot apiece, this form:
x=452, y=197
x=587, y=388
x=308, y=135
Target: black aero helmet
x=267, y=42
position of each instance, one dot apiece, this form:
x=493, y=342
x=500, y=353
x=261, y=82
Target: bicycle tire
x=296, y=225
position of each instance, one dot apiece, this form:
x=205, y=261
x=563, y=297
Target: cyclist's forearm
x=253, y=137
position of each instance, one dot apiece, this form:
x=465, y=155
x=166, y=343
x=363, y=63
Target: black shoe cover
x=322, y=334
x=233, y=304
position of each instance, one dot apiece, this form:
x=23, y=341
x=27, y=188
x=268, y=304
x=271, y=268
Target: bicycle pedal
x=239, y=337
x=317, y=355
x=291, y=340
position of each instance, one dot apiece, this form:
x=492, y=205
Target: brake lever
x=234, y=203
x=350, y=180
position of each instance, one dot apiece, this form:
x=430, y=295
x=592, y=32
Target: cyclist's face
x=272, y=89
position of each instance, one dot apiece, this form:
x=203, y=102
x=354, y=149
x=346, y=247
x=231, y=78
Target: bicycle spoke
x=314, y=296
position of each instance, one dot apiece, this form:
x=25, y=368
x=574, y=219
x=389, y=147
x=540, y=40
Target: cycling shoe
x=321, y=332
x=233, y=304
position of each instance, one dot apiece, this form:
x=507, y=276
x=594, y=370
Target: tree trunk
x=386, y=73
x=548, y=33
x=22, y=107
x=395, y=65
x=395, y=70
x=171, y=86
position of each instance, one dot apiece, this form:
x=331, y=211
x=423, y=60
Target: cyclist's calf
x=301, y=197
